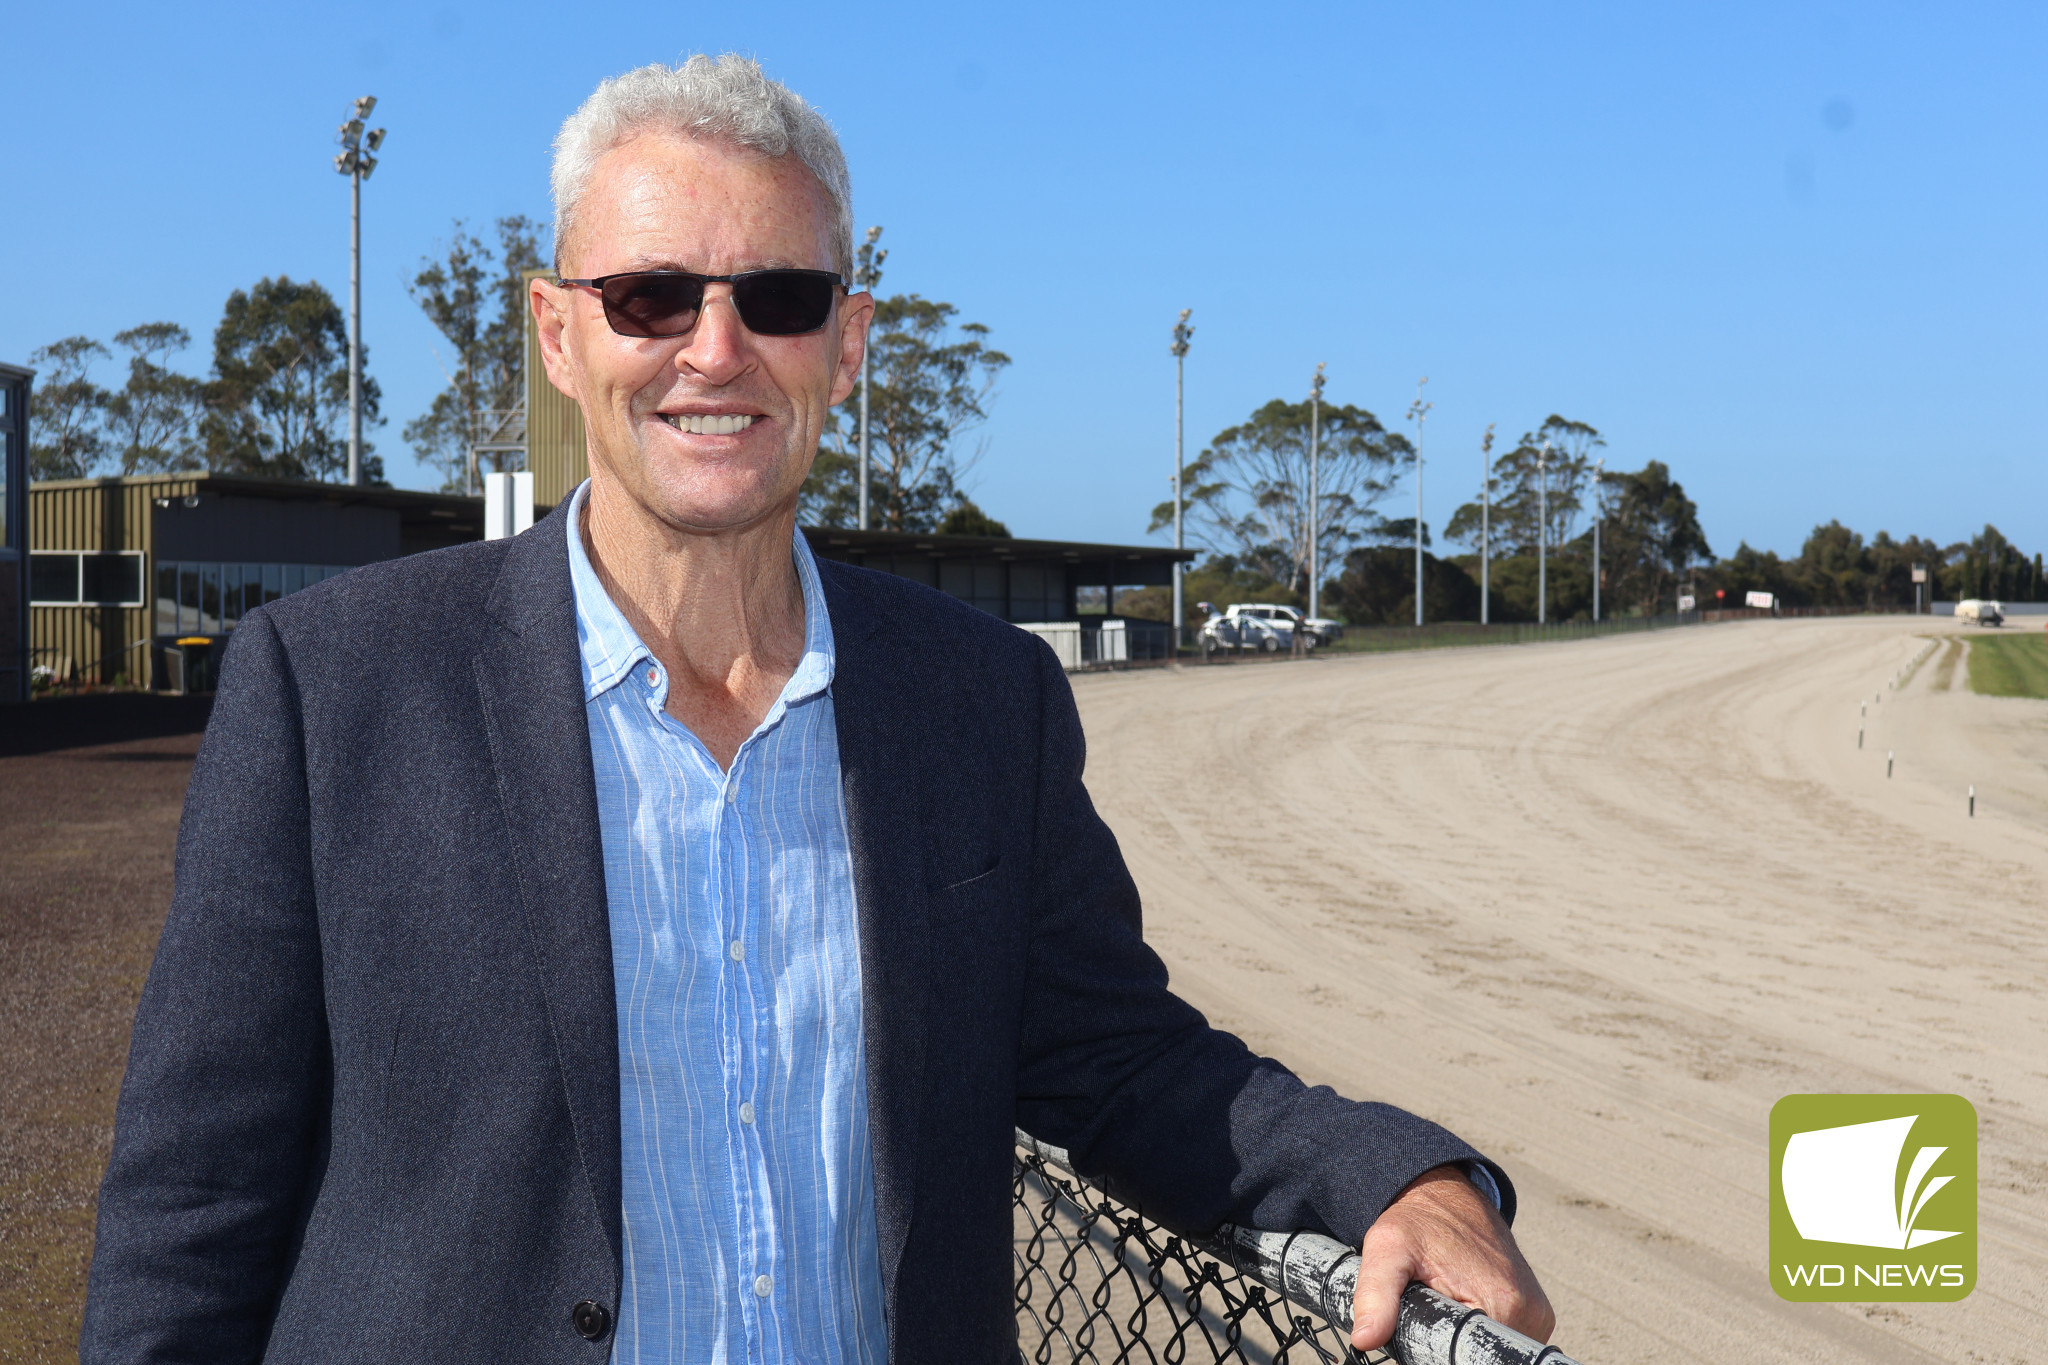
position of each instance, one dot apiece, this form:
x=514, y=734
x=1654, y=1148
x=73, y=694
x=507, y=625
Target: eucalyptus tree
x=152, y=421
x=931, y=382
x=475, y=295
x=277, y=404
x=65, y=407
x=1545, y=477
x=1248, y=491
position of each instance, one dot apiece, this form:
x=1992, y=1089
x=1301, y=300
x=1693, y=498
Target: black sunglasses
x=665, y=303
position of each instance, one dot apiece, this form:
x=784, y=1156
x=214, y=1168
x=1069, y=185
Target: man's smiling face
x=714, y=430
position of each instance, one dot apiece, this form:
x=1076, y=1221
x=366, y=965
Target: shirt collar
x=611, y=647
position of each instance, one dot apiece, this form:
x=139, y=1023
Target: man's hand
x=1445, y=1233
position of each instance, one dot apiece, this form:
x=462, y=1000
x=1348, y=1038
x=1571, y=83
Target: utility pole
x=1485, y=529
x=356, y=161
x=1599, y=487
x=1181, y=334
x=1315, y=494
x=1418, y=412
x=866, y=275
x=1542, y=534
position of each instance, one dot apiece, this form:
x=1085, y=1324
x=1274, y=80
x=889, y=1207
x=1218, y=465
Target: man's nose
x=719, y=343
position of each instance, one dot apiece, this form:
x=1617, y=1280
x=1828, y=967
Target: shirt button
x=747, y=1113
x=652, y=677
x=737, y=950
x=732, y=793
x=761, y=1287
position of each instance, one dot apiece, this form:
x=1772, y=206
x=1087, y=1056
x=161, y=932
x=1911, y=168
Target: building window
x=73, y=578
x=211, y=599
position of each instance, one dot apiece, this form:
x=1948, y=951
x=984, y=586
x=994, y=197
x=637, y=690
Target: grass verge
x=2013, y=665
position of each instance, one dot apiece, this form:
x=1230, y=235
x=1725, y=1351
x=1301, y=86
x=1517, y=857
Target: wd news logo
x=1873, y=1198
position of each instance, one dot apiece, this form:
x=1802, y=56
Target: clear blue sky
x=1794, y=251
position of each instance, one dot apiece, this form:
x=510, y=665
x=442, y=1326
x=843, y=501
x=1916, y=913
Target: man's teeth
x=707, y=424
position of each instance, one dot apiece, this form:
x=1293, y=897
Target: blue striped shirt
x=749, y=1200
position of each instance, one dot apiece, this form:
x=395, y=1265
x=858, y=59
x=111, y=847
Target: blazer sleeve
x=218, y=1134
x=1173, y=1115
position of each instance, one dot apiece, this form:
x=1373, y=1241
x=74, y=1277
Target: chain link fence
x=1098, y=1283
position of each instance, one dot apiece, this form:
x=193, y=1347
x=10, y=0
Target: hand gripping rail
x=1320, y=1273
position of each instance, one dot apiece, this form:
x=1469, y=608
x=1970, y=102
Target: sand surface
x=1597, y=906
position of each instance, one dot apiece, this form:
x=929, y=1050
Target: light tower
x=1542, y=532
x=1315, y=494
x=867, y=273
x=1418, y=413
x=1181, y=335
x=1485, y=516
x=1599, y=485
x=356, y=160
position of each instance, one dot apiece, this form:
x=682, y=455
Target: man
x=639, y=938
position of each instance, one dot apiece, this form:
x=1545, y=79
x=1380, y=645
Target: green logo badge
x=1873, y=1198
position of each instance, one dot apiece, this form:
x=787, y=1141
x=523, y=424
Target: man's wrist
x=1483, y=1180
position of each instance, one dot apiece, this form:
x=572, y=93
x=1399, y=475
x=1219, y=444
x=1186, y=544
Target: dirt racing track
x=1597, y=906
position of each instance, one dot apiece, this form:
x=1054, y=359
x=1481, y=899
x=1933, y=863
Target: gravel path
x=89, y=796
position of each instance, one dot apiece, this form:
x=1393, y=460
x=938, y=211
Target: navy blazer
x=372, y=1104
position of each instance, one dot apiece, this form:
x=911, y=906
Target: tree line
x=1248, y=496
x=1836, y=567
x=1248, y=500
x=275, y=403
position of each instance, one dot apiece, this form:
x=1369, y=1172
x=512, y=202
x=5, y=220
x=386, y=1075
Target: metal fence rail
x=1098, y=1283
x=1386, y=639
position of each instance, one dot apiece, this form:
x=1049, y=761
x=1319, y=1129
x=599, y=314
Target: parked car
x=1232, y=630
x=1981, y=613
x=1261, y=626
x=1316, y=630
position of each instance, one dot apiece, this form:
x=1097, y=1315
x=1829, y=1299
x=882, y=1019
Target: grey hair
x=727, y=98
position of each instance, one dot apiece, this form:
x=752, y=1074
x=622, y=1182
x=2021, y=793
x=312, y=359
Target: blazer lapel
x=889, y=889
x=530, y=678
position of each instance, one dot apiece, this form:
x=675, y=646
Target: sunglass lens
x=652, y=305
x=781, y=303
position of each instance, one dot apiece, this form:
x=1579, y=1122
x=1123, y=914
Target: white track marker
x=1887, y=762
x=1973, y=801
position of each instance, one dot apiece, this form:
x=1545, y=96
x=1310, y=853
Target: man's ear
x=550, y=317
x=853, y=344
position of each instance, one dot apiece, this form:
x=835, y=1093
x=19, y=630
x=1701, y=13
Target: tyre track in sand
x=1598, y=905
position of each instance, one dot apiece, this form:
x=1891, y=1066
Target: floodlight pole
x=355, y=328
x=1599, y=474
x=1181, y=334
x=1315, y=494
x=1542, y=534
x=867, y=275
x=1485, y=529
x=356, y=161
x=1418, y=412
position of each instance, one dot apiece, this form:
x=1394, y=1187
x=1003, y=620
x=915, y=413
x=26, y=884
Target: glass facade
x=210, y=599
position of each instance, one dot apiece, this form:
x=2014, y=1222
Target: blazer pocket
x=973, y=896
